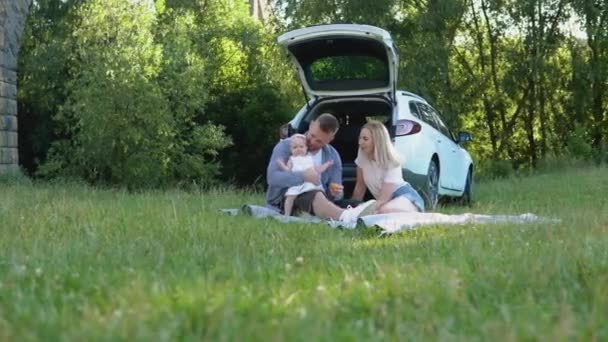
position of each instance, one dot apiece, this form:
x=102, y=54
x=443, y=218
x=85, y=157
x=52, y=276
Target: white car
x=351, y=71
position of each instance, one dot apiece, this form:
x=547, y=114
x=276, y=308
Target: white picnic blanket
x=392, y=223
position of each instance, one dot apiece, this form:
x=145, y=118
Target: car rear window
x=347, y=72
x=339, y=63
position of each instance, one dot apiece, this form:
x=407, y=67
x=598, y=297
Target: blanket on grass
x=392, y=223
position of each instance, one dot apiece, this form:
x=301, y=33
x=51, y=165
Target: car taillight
x=406, y=127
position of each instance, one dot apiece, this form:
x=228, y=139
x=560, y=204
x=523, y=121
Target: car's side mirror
x=464, y=137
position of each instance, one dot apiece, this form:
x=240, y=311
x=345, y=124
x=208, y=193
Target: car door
x=435, y=138
x=443, y=147
x=451, y=151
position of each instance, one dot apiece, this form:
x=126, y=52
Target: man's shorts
x=302, y=204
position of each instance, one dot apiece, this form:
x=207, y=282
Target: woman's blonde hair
x=384, y=153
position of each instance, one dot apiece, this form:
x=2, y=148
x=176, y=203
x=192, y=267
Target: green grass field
x=77, y=263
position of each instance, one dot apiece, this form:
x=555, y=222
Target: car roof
x=410, y=94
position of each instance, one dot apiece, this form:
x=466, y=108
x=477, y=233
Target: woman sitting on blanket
x=379, y=170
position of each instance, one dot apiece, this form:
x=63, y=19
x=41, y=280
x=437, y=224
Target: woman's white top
x=374, y=176
x=299, y=164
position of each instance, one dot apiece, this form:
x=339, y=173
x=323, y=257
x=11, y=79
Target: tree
x=248, y=91
x=120, y=124
x=43, y=75
x=594, y=17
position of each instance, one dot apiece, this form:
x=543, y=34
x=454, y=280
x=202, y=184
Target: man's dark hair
x=328, y=123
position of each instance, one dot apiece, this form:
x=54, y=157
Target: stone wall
x=12, y=19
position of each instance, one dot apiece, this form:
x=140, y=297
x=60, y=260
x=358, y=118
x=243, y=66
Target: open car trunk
x=352, y=113
x=343, y=60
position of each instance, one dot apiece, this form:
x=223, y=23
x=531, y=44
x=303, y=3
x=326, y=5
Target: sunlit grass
x=79, y=263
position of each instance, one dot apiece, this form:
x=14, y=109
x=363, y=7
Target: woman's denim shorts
x=407, y=191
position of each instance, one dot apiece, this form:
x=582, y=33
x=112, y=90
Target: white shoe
x=352, y=214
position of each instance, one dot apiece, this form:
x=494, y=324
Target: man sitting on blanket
x=321, y=132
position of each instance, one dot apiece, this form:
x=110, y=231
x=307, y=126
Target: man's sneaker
x=352, y=214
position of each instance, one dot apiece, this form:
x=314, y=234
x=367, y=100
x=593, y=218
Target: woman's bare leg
x=289, y=200
x=398, y=205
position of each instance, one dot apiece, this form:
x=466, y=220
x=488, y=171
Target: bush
x=252, y=117
x=146, y=93
x=123, y=128
x=42, y=78
x=578, y=153
x=578, y=146
x=250, y=96
x=494, y=169
x=600, y=156
x=14, y=177
x=552, y=163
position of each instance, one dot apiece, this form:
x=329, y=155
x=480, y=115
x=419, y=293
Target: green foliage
x=252, y=117
x=313, y=12
x=14, y=177
x=184, y=78
x=602, y=154
x=184, y=70
x=249, y=93
x=146, y=94
x=139, y=83
x=119, y=127
x=578, y=145
x=552, y=163
x=119, y=122
x=197, y=162
x=494, y=169
x=43, y=76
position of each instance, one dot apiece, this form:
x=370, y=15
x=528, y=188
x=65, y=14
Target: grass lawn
x=77, y=263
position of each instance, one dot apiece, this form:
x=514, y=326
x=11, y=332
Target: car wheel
x=431, y=196
x=467, y=195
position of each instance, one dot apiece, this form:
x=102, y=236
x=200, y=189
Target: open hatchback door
x=344, y=60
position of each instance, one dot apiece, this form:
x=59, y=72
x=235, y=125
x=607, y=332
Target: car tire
x=467, y=195
x=431, y=187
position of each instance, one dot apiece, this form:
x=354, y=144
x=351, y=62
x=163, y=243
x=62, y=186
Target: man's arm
x=335, y=171
x=335, y=174
x=275, y=176
x=283, y=166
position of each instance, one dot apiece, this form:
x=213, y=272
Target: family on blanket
x=305, y=175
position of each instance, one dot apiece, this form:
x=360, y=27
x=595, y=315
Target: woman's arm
x=385, y=193
x=360, y=188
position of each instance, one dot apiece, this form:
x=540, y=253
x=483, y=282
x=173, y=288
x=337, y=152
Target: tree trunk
x=487, y=105
x=542, y=116
x=529, y=123
x=492, y=40
x=597, y=91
